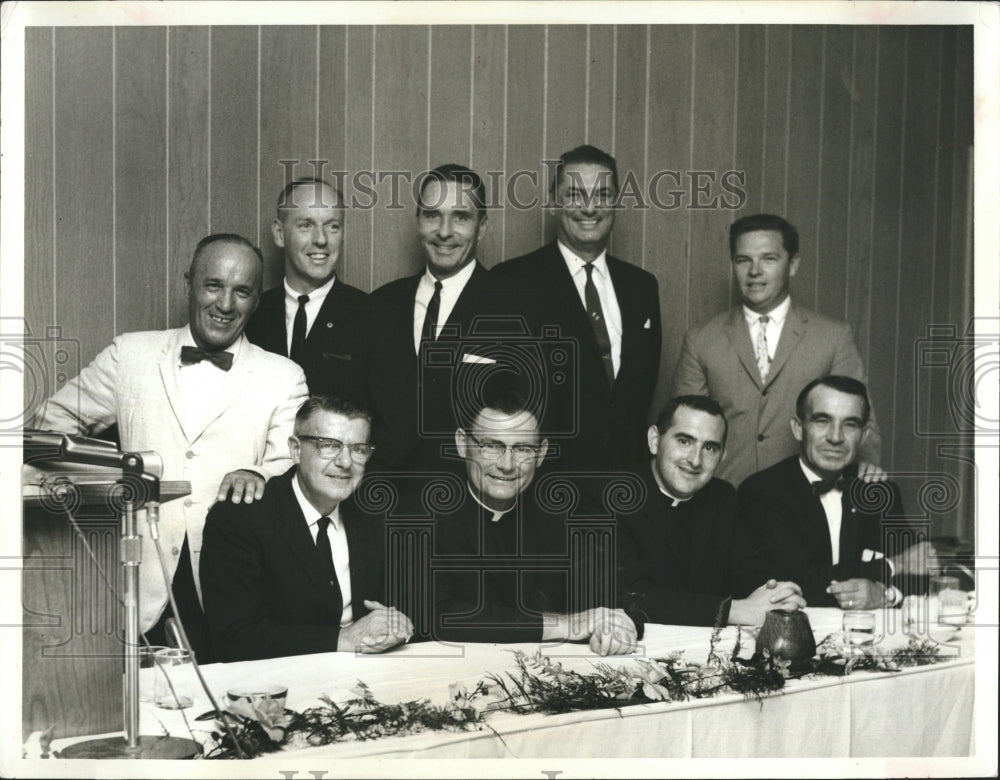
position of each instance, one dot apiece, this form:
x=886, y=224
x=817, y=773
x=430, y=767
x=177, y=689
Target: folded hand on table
x=381, y=629
x=771, y=595
x=857, y=593
x=917, y=559
x=609, y=631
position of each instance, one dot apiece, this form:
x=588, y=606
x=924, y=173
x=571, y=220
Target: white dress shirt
x=199, y=381
x=338, y=544
x=775, y=323
x=451, y=289
x=316, y=298
x=606, y=293
x=832, y=507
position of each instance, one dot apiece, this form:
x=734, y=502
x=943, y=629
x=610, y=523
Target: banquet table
x=919, y=711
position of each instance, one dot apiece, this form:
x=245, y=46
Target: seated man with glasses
x=504, y=566
x=301, y=570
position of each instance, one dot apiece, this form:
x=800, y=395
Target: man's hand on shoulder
x=247, y=486
x=771, y=595
x=871, y=472
x=858, y=593
x=381, y=629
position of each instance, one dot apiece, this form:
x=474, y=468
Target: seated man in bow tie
x=300, y=571
x=811, y=519
x=676, y=544
x=217, y=409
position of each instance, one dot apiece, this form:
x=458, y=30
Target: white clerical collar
x=316, y=295
x=663, y=489
x=497, y=513
x=576, y=263
x=776, y=315
x=457, y=280
x=311, y=513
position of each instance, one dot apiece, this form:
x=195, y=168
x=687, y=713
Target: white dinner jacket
x=134, y=382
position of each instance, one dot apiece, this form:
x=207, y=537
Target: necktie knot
x=303, y=300
x=822, y=486
x=323, y=523
x=191, y=355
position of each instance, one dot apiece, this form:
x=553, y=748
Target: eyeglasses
x=494, y=450
x=331, y=448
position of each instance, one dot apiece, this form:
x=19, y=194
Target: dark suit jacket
x=675, y=562
x=785, y=534
x=264, y=588
x=346, y=354
x=607, y=425
x=718, y=360
x=490, y=320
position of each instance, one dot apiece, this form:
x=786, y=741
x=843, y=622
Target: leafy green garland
x=539, y=685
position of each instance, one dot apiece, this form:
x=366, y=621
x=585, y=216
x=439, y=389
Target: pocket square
x=468, y=357
x=647, y=324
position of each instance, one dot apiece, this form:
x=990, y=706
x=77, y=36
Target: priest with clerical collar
x=674, y=549
x=502, y=569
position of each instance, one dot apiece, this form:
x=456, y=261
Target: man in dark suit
x=300, y=571
x=610, y=308
x=504, y=568
x=755, y=358
x=810, y=519
x=334, y=331
x=675, y=551
x=461, y=325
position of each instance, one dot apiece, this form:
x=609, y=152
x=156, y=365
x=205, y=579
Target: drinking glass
x=175, y=681
x=952, y=603
x=859, y=628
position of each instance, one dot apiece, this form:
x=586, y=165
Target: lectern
x=83, y=501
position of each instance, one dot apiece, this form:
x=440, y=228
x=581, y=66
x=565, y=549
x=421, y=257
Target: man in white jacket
x=217, y=409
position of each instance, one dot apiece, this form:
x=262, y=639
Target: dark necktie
x=324, y=550
x=429, y=332
x=822, y=486
x=299, y=331
x=596, y=315
x=192, y=355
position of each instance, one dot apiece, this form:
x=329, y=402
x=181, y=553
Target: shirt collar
x=576, y=264
x=311, y=513
x=316, y=295
x=456, y=282
x=663, y=489
x=811, y=476
x=776, y=315
x=187, y=340
x=497, y=513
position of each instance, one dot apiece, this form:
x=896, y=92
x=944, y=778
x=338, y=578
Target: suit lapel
x=791, y=335
x=628, y=305
x=559, y=280
x=815, y=527
x=170, y=376
x=331, y=318
x=274, y=335
x=739, y=338
x=850, y=525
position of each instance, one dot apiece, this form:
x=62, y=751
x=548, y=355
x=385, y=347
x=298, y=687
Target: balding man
x=216, y=408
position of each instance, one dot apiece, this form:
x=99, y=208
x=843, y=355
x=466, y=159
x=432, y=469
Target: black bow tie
x=821, y=486
x=191, y=355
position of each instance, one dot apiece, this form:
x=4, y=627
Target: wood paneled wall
x=141, y=140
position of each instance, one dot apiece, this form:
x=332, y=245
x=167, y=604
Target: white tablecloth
x=924, y=711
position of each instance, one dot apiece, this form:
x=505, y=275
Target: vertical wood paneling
x=140, y=168
x=39, y=196
x=919, y=213
x=489, y=130
x=859, y=259
x=806, y=138
x=289, y=65
x=884, y=271
x=631, y=104
x=776, y=117
x=188, y=159
x=858, y=135
x=358, y=53
x=232, y=128
x=667, y=230
x=601, y=85
x=84, y=239
x=525, y=65
x=401, y=83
